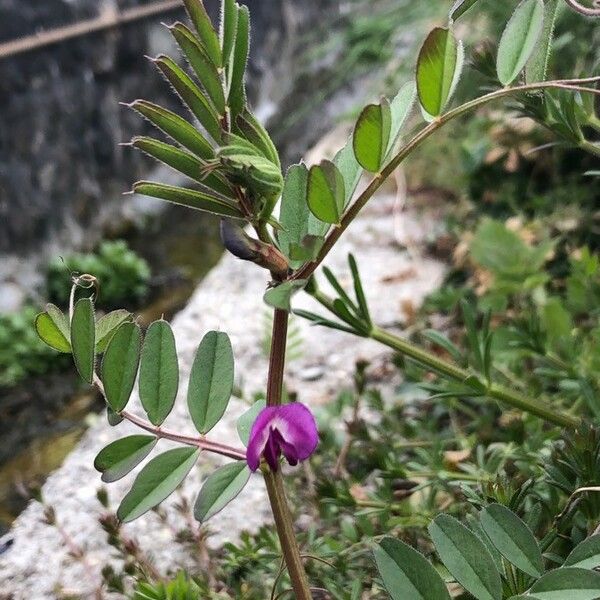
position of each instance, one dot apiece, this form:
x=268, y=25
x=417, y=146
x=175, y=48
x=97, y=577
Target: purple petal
x=259, y=436
x=290, y=429
x=299, y=432
x=272, y=451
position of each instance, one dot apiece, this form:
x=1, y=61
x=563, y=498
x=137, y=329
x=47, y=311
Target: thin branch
x=199, y=442
x=584, y=10
x=569, y=84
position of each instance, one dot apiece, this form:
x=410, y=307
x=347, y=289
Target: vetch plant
x=235, y=173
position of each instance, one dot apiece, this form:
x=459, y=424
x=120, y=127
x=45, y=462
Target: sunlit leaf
x=122, y=456
x=220, y=488
x=437, y=70
x=83, y=340
x=326, y=192
x=157, y=481
x=107, y=325
x=120, y=365
x=400, y=106
x=372, y=134
x=349, y=167
x=406, y=573
x=52, y=328
x=211, y=380
x=159, y=372
x=519, y=39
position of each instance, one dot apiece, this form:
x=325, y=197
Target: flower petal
x=259, y=436
x=300, y=431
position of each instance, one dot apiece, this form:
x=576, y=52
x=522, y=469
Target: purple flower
x=289, y=430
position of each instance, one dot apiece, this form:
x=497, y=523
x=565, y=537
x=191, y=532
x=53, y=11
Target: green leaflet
x=107, y=325
x=175, y=127
x=466, y=557
x=211, y=380
x=351, y=171
x=159, y=372
x=157, y=481
x=294, y=212
x=53, y=328
x=219, y=489
x=118, y=458
x=372, y=135
x=191, y=95
x=227, y=31
x=537, y=67
x=459, y=8
x=567, y=583
x=245, y=422
x=203, y=66
x=237, y=89
x=326, y=192
x=281, y=296
x=206, y=32
x=83, y=340
x=120, y=365
x=406, y=573
x=586, y=555
x=519, y=39
x=400, y=107
x=512, y=538
x=181, y=161
x=203, y=198
x=437, y=70
x=253, y=131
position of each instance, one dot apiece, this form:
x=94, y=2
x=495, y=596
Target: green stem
x=569, y=84
x=273, y=479
x=510, y=397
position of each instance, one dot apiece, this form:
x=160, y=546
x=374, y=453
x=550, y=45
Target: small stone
x=313, y=373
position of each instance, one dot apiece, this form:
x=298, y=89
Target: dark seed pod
x=240, y=244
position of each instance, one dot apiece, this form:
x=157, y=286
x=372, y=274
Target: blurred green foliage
x=124, y=276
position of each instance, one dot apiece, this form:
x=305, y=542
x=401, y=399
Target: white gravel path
x=37, y=566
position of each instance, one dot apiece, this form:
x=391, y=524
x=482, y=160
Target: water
x=181, y=248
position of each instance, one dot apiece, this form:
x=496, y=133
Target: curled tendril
x=585, y=10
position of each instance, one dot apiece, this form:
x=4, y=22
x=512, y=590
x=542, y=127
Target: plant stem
x=277, y=357
x=510, y=397
x=287, y=537
x=569, y=84
x=199, y=442
x=273, y=479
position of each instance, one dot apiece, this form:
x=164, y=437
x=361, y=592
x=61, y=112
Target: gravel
x=37, y=565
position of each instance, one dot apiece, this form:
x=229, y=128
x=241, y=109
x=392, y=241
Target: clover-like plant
x=235, y=172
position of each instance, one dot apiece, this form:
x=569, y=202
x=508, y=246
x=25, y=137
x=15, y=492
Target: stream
x=42, y=420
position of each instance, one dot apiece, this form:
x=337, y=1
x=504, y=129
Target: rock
x=229, y=299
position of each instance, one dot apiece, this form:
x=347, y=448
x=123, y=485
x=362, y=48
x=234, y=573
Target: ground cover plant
x=500, y=463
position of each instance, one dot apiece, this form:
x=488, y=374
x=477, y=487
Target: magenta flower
x=289, y=430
